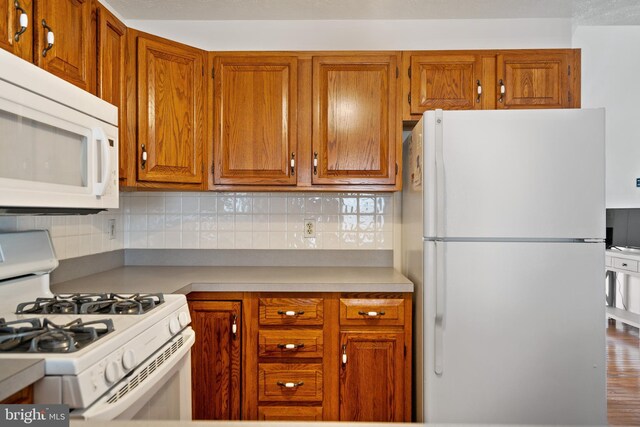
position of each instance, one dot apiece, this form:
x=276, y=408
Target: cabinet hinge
x=405, y=351
x=569, y=93
x=409, y=72
x=569, y=69
x=409, y=98
x=396, y=168
x=397, y=72
x=213, y=73
x=213, y=168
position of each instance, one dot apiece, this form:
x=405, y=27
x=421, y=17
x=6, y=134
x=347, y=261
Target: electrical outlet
x=309, y=228
x=112, y=229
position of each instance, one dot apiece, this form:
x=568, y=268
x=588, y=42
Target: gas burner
x=123, y=304
x=59, y=304
x=29, y=335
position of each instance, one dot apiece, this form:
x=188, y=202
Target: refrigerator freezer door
x=536, y=174
x=522, y=339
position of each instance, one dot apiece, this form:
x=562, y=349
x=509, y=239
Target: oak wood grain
x=351, y=309
x=307, y=311
x=170, y=111
x=22, y=397
x=216, y=360
x=290, y=413
x=271, y=376
x=9, y=26
x=70, y=56
x=308, y=343
x=255, y=119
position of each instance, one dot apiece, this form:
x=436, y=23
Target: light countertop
x=16, y=374
x=239, y=279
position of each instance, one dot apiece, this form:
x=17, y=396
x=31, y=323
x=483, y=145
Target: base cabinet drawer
x=625, y=264
x=291, y=311
x=285, y=382
x=290, y=343
x=372, y=311
x=290, y=413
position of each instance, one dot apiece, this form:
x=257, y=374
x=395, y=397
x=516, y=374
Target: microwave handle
x=99, y=188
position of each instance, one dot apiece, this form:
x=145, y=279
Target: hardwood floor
x=623, y=374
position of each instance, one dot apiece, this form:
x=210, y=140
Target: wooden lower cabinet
x=215, y=361
x=22, y=397
x=305, y=356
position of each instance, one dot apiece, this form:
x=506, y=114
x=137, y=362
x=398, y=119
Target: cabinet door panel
x=10, y=25
x=215, y=361
x=170, y=112
x=354, y=119
x=111, y=51
x=446, y=81
x=255, y=120
x=366, y=397
x=69, y=57
x=534, y=80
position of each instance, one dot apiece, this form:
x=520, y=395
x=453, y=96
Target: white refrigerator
x=503, y=223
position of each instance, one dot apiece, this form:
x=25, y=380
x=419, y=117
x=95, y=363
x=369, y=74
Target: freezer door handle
x=438, y=344
x=440, y=187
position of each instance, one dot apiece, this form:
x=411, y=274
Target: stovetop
x=37, y=335
x=92, y=303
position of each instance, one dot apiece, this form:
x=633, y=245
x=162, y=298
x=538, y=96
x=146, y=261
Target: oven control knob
x=111, y=372
x=174, y=326
x=129, y=359
x=183, y=318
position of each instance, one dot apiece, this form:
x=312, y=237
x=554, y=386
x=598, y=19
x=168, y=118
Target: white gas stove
x=106, y=355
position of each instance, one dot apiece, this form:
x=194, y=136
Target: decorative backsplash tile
x=210, y=220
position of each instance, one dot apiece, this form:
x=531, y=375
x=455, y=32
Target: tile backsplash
x=211, y=220
x=257, y=220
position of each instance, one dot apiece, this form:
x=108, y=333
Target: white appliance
x=139, y=367
x=58, y=143
x=503, y=236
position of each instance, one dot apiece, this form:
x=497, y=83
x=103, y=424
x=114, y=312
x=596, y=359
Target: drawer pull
x=290, y=385
x=624, y=264
x=290, y=346
x=290, y=313
x=371, y=313
x=344, y=355
x=234, y=326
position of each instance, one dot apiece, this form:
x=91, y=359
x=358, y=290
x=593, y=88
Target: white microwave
x=58, y=143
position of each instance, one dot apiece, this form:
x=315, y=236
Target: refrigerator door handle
x=440, y=188
x=438, y=344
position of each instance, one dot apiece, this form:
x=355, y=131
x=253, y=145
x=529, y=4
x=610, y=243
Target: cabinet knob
x=234, y=326
x=24, y=21
x=143, y=163
x=371, y=313
x=290, y=313
x=290, y=385
x=502, y=91
x=315, y=163
x=50, y=38
x=344, y=355
x=293, y=163
x=290, y=346
x=479, y=91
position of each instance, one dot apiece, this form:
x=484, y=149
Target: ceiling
x=594, y=12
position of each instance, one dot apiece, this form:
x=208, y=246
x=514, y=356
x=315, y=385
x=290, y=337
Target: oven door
x=158, y=389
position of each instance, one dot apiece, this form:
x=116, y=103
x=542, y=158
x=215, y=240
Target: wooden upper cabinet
x=111, y=72
x=535, y=79
x=13, y=37
x=216, y=361
x=367, y=397
x=69, y=57
x=255, y=120
x=355, y=124
x=446, y=81
x=171, y=125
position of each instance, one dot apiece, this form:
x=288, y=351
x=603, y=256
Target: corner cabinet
x=489, y=79
x=355, y=126
x=305, y=356
x=255, y=120
x=215, y=359
x=15, y=37
x=171, y=111
x=63, y=44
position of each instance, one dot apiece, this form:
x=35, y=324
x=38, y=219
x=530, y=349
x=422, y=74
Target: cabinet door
x=355, y=126
x=215, y=360
x=367, y=397
x=13, y=37
x=446, y=81
x=255, y=120
x=111, y=74
x=535, y=79
x=170, y=112
x=69, y=56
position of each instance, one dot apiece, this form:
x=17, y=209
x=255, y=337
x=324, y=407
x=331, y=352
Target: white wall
x=610, y=79
x=364, y=34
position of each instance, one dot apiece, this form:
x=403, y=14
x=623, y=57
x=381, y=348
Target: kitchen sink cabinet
x=13, y=36
x=111, y=36
x=490, y=79
x=171, y=113
x=62, y=40
x=216, y=359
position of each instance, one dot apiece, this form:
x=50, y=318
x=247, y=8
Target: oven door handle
x=113, y=406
